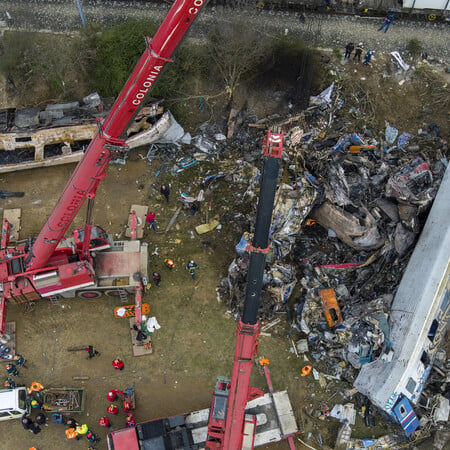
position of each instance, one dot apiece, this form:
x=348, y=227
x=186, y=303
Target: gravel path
x=330, y=31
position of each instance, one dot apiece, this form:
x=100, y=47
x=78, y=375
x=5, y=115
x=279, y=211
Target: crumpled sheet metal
x=413, y=183
x=348, y=227
x=291, y=208
x=165, y=130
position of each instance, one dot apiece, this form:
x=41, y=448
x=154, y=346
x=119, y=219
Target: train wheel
x=112, y=293
x=89, y=294
x=432, y=17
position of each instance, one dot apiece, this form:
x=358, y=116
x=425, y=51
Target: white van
x=13, y=404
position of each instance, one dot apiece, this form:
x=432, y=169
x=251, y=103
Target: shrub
x=414, y=47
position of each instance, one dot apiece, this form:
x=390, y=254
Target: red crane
x=227, y=426
x=41, y=268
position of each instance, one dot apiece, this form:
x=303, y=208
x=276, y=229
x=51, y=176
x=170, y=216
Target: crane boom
x=227, y=431
x=91, y=169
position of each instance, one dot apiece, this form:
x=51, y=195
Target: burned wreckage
x=359, y=264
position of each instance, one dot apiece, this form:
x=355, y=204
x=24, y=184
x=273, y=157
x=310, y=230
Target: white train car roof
x=422, y=302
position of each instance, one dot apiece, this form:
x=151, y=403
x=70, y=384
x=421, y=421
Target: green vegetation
x=414, y=47
x=50, y=68
x=117, y=51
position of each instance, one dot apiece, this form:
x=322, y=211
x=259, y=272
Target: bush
x=117, y=51
x=414, y=47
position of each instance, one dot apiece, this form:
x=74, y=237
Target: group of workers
x=74, y=430
x=12, y=371
x=127, y=407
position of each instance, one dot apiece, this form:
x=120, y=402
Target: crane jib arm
x=91, y=169
x=227, y=433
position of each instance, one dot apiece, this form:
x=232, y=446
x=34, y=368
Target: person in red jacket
x=118, y=364
x=151, y=220
x=127, y=407
x=104, y=421
x=112, y=409
x=112, y=394
x=131, y=421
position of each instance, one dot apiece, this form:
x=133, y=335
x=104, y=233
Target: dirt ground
x=196, y=339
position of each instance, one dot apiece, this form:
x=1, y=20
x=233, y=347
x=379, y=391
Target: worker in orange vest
x=35, y=386
x=169, y=263
x=71, y=433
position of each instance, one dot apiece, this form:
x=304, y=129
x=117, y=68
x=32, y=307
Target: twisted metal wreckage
x=346, y=217
x=371, y=199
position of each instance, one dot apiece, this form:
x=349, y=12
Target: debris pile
x=348, y=213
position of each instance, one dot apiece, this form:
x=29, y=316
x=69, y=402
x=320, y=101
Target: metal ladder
x=54, y=299
x=123, y=296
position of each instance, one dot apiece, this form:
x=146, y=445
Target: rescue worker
x=112, y=409
x=92, y=352
x=358, y=52
x=131, y=421
x=112, y=395
x=41, y=419
x=104, y=421
x=71, y=423
x=92, y=437
x=348, y=50
x=35, y=404
x=118, y=364
x=165, y=190
x=127, y=407
x=192, y=266
x=57, y=418
x=81, y=430
x=368, y=57
x=71, y=433
x=9, y=383
x=150, y=219
x=387, y=22
x=35, y=428
x=12, y=370
x=26, y=422
x=35, y=387
x=194, y=208
x=169, y=263
x=20, y=360
x=156, y=278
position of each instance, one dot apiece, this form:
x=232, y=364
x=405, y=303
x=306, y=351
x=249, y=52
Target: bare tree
x=236, y=51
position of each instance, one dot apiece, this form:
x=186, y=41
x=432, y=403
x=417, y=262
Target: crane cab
x=99, y=239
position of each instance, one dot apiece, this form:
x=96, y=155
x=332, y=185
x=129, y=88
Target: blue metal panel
x=406, y=416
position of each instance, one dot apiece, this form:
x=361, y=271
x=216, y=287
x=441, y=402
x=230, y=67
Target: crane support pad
x=285, y=414
x=140, y=348
x=141, y=213
x=13, y=217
